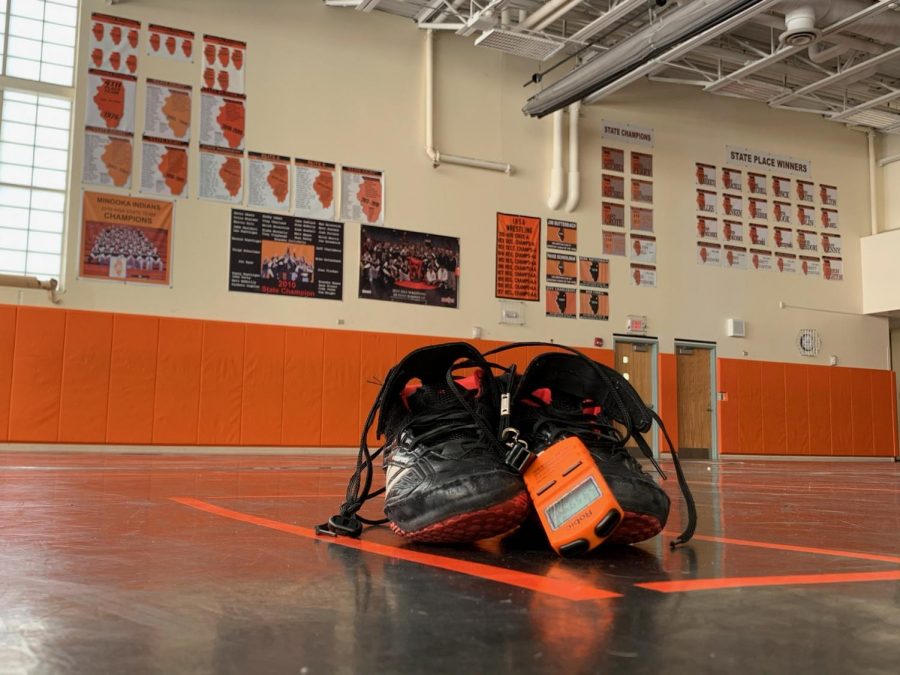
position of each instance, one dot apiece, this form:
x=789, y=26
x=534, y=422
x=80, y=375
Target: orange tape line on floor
x=533, y=582
x=784, y=580
x=797, y=549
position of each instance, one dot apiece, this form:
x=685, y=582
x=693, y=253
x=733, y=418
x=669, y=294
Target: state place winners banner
x=278, y=254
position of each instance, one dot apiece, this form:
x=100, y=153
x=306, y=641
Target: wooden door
x=694, y=401
x=635, y=361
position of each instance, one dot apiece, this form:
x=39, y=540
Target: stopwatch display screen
x=572, y=503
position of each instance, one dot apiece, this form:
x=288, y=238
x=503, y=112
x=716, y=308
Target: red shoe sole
x=475, y=525
x=635, y=527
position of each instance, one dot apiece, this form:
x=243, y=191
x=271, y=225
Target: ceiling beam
x=881, y=100
x=615, y=14
x=838, y=77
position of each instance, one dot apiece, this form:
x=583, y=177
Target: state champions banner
x=126, y=238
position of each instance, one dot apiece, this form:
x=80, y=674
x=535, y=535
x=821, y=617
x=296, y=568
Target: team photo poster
x=411, y=267
x=277, y=254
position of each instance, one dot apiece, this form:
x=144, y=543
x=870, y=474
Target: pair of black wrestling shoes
x=451, y=477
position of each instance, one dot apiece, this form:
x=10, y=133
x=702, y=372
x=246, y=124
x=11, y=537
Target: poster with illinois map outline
x=114, y=43
x=170, y=43
x=164, y=167
x=221, y=175
x=167, y=112
x=110, y=101
x=222, y=119
x=224, y=64
x=268, y=181
x=107, y=158
x=362, y=195
x=314, y=195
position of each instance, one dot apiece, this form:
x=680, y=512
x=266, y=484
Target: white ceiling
x=851, y=76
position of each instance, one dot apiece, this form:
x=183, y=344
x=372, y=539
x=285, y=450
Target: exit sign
x=637, y=325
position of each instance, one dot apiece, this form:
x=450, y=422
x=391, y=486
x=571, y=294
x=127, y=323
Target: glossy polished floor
x=207, y=564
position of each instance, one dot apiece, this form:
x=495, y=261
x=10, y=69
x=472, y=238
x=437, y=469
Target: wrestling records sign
x=281, y=255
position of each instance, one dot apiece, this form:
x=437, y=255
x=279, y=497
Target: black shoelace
x=454, y=416
x=579, y=424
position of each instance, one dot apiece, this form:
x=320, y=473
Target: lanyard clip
x=518, y=456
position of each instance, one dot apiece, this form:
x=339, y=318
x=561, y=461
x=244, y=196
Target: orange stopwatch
x=575, y=505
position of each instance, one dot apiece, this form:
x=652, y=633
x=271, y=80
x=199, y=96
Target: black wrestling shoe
x=566, y=394
x=446, y=479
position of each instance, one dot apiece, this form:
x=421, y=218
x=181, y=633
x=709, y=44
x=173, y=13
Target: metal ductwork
x=686, y=22
x=800, y=26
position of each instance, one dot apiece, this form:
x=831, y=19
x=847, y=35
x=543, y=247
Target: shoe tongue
x=558, y=399
x=426, y=398
x=421, y=397
x=567, y=402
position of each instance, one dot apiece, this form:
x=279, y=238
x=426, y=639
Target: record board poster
x=518, y=267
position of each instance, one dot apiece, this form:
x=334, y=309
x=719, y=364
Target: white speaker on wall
x=736, y=328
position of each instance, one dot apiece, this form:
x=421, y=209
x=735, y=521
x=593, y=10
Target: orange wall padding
x=73, y=376
x=668, y=399
x=796, y=409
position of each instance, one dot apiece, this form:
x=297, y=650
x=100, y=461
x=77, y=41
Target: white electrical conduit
x=574, y=174
x=437, y=157
x=557, y=184
x=873, y=187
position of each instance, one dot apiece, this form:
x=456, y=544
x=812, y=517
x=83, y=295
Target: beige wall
x=881, y=273
x=348, y=87
x=890, y=184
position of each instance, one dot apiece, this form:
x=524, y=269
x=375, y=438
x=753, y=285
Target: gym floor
x=208, y=563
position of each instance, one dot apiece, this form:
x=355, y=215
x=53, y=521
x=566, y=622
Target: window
x=37, y=56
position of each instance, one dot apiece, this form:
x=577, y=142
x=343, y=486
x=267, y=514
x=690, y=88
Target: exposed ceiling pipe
x=17, y=281
x=558, y=14
x=557, y=184
x=437, y=158
x=574, y=174
x=682, y=30
x=819, y=54
x=546, y=10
